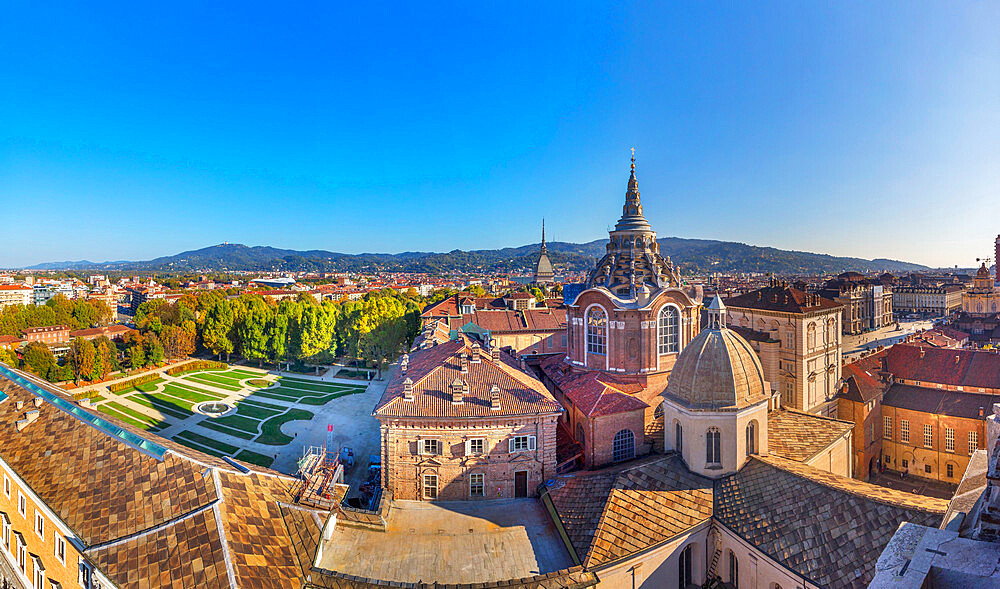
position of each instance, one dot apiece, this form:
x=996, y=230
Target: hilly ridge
x=691, y=255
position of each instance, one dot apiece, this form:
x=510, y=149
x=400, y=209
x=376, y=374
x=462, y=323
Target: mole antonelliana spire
x=543, y=270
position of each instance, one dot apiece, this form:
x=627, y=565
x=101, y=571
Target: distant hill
x=691, y=255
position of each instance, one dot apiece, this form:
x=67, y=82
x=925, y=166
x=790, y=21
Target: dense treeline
x=375, y=329
x=58, y=310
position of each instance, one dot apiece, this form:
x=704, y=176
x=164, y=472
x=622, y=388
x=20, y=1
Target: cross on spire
x=633, y=158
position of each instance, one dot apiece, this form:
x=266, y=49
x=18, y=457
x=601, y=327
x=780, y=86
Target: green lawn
x=142, y=388
x=198, y=447
x=238, y=422
x=270, y=395
x=257, y=383
x=161, y=406
x=135, y=414
x=310, y=385
x=194, y=389
x=208, y=423
x=261, y=404
x=105, y=409
x=256, y=412
x=271, y=428
x=254, y=458
x=247, y=373
x=209, y=442
x=219, y=383
x=189, y=395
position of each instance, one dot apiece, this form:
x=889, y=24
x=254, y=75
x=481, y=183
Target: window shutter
x=468, y=448
x=531, y=442
x=510, y=446
x=420, y=446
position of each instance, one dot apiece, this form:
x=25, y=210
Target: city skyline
x=843, y=132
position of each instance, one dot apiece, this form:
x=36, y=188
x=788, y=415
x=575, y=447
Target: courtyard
x=248, y=414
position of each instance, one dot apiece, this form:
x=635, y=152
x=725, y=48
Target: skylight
x=155, y=450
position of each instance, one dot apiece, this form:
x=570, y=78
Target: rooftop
x=451, y=542
x=801, y=436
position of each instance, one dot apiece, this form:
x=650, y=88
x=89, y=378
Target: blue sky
x=137, y=130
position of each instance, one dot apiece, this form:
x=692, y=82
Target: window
x=22, y=504
x=713, y=447
x=658, y=412
x=906, y=464
x=5, y=531
x=927, y=468
x=973, y=442
x=39, y=573
x=597, y=331
x=579, y=434
x=6, y=486
x=684, y=568
x=928, y=435
x=734, y=570
x=751, y=438
x=949, y=439
x=22, y=552
x=522, y=443
x=811, y=336
x=430, y=446
x=669, y=330
x=950, y=469
x=623, y=446
x=430, y=486
x=904, y=431
x=60, y=548
x=477, y=485
x=475, y=446
x=39, y=525
x=678, y=437
x=887, y=427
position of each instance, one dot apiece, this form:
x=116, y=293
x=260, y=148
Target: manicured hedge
x=133, y=382
x=197, y=365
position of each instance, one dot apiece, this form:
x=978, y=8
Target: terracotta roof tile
x=592, y=392
x=782, y=298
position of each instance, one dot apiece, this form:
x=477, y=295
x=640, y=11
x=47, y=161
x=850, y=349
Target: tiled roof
x=801, y=436
x=614, y=513
x=968, y=368
x=862, y=378
x=827, y=528
x=188, y=520
x=594, y=393
x=939, y=401
x=786, y=299
x=433, y=370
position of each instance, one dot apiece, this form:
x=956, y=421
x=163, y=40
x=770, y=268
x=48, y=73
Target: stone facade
x=867, y=303
x=984, y=297
x=931, y=300
x=798, y=338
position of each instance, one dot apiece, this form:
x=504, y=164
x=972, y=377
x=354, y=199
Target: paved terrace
x=451, y=542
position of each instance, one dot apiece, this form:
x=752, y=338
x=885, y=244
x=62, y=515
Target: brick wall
x=918, y=456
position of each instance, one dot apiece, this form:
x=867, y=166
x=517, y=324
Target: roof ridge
x=153, y=529
x=230, y=571
x=816, y=415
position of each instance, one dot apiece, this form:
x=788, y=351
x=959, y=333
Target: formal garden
x=221, y=410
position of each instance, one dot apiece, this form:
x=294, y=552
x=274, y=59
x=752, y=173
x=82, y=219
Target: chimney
x=921, y=352
x=407, y=389
x=458, y=389
x=475, y=352
x=38, y=400
x=495, y=398
x=85, y=402
x=20, y=405
x=495, y=353
x=980, y=413
x=29, y=416
x=464, y=364
x=957, y=358
x=403, y=364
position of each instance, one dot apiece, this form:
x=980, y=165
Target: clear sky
x=143, y=129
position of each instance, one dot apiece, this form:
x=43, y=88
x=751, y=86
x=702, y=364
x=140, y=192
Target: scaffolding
x=319, y=470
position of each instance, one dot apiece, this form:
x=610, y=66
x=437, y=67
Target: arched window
x=579, y=434
x=751, y=438
x=713, y=447
x=684, y=568
x=734, y=570
x=678, y=436
x=597, y=331
x=669, y=330
x=811, y=335
x=623, y=446
x=658, y=412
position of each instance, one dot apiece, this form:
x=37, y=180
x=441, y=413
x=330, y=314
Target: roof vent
x=464, y=363
x=458, y=389
x=407, y=389
x=495, y=353
x=19, y=405
x=38, y=400
x=921, y=352
x=29, y=416
x=957, y=358
x=495, y=398
x=476, y=350
x=403, y=364
x=85, y=402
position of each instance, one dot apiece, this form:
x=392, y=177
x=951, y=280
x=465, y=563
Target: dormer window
x=468, y=308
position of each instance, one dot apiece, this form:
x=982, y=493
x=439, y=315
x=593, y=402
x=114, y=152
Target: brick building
x=867, y=303
x=459, y=422
x=52, y=334
x=624, y=332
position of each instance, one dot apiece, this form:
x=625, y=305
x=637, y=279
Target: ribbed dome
x=544, y=267
x=983, y=272
x=718, y=369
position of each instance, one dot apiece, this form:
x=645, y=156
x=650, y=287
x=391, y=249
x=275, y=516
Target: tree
x=381, y=345
x=8, y=357
x=277, y=337
x=538, y=294
x=134, y=353
x=154, y=349
x=82, y=357
x=216, y=334
x=39, y=360
x=250, y=329
x=476, y=290
x=316, y=332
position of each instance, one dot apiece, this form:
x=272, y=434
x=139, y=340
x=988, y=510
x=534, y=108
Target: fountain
x=214, y=408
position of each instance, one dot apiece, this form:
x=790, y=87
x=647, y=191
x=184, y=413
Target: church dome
x=718, y=369
x=983, y=272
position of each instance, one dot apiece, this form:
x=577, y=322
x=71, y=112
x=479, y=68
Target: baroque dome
x=718, y=369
